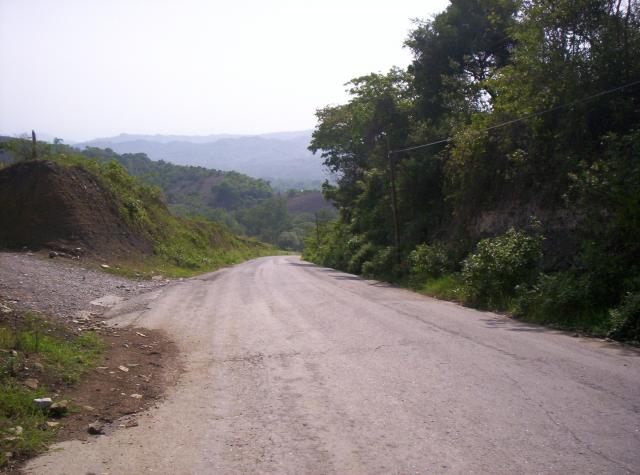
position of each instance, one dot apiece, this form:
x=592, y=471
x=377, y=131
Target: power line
x=524, y=117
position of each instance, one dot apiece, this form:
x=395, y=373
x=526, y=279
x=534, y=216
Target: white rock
x=43, y=402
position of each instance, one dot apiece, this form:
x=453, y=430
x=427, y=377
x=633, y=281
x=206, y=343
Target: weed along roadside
x=62, y=381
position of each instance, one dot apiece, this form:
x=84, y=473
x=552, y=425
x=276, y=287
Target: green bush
x=365, y=253
x=491, y=276
x=381, y=265
x=429, y=260
x=625, y=318
x=562, y=298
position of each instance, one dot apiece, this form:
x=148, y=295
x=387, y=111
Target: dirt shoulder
x=135, y=368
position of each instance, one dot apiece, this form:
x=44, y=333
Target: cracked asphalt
x=294, y=368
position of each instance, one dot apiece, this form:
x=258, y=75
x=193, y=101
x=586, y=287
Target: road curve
x=295, y=368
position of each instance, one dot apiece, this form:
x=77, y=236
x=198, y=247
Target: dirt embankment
x=46, y=205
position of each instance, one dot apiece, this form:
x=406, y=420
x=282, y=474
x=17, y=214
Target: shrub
x=492, y=274
x=625, y=318
x=362, y=255
x=429, y=260
x=381, y=265
x=562, y=297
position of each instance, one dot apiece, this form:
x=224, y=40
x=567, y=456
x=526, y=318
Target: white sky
x=80, y=69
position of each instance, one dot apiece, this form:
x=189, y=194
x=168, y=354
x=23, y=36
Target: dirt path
x=293, y=368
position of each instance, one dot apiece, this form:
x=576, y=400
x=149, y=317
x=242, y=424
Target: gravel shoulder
x=62, y=287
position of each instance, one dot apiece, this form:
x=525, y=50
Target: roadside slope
x=295, y=368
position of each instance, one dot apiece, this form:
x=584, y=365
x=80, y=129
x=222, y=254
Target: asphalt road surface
x=294, y=368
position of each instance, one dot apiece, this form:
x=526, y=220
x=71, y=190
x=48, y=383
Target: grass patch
x=445, y=287
x=21, y=423
x=32, y=348
x=178, y=258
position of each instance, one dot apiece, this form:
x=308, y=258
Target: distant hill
x=282, y=158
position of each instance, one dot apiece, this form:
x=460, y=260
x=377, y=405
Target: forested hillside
x=501, y=168
x=281, y=158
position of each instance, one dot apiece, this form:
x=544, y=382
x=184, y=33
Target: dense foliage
x=510, y=110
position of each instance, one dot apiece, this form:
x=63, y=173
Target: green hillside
x=248, y=206
x=177, y=245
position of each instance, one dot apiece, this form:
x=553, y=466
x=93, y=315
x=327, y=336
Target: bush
x=491, y=276
x=429, y=260
x=362, y=255
x=381, y=265
x=625, y=318
x=560, y=298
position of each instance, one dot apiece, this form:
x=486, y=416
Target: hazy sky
x=80, y=69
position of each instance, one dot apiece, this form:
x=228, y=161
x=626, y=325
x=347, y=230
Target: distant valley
x=281, y=158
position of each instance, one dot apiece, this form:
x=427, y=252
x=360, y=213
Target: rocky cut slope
x=48, y=205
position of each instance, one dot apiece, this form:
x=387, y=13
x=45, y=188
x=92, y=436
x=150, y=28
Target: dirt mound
x=46, y=205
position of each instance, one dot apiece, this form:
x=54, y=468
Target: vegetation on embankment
x=37, y=359
x=247, y=206
x=140, y=234
x=502, y=167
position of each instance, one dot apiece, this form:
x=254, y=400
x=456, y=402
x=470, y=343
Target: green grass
x=27, y=341
x=17, y=410
x=446, y=287
x=67, y=358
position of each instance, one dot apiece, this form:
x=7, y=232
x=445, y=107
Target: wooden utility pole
x=394, y=201
x=34, y=152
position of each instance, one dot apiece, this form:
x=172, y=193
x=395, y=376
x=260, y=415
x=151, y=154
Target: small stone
x=59, y=408
x=43, y=402
x=141, y=334
x=4, y=308
x=53, y=254
x=96, y=428
x=136, y=396
x=89, y=408
x=105, y=266
x=14, y=353
x=156, y=277
x=38, y=366
x=52, y=424
x=123, y=368
x=131, y=423
x=31, y=383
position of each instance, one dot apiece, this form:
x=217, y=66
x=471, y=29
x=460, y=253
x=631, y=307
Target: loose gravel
x=60, y=286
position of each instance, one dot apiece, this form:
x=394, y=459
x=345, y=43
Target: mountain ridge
x=280, y=157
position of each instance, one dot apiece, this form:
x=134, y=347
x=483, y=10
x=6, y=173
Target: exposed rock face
x=46, y=205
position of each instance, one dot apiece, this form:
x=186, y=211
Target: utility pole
x=34, y=152
x=394, y=201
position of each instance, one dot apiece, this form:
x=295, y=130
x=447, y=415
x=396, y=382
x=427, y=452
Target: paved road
x=294, y=368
